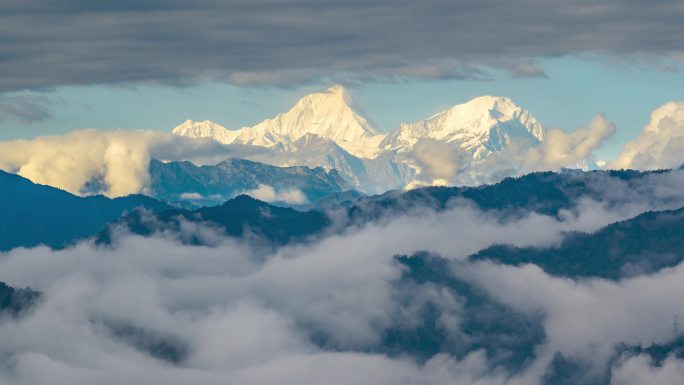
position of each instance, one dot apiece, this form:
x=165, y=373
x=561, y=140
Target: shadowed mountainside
x=34, y=214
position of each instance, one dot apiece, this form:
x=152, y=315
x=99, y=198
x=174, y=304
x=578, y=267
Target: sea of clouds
x=226, y=313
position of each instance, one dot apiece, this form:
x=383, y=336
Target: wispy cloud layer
x=25, y=108
x=660, y=143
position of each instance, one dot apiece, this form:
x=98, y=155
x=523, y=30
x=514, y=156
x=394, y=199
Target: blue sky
x=571, y=93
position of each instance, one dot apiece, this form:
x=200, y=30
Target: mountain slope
x=507, y=337
x=32, y=214
x=546, y=193
x=242, y=216
x=210, y=185
x=542, y=192
x=371, y=176
x=641, y=245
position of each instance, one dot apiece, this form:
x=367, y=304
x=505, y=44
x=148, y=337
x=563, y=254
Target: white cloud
x=639, y=371
x=567, y=149
x=586, y=319
x=248, y=317
x=193, y=196
x=441, y=159
x=267, y=193
x=119, y=158
x=660, y=143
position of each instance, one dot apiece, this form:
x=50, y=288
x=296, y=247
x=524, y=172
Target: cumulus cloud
x=267, y=193
x=120, y=159
x=438, y=163
x=568, y=149
x=284, y=42
x=660, y=143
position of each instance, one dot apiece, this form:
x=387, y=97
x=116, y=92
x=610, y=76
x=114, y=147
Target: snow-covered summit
x=328, y=114
x=205, y=129
x=482, y=125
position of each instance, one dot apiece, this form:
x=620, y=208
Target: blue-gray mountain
x=33, y=214
x=541, y=192
x=545, y=193
x=641, y=245
x=242, y=216
x=15, y=301
x=186, y=184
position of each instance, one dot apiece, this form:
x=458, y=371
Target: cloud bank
x=270, y=42
x=568, y=149
x=660, y=143
x=151, y=310
x=119, y=159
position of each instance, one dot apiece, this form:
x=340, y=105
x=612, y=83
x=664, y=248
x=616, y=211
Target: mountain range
x=545, y=193
x=326, y=129
x=179, y=182
x=34, y=214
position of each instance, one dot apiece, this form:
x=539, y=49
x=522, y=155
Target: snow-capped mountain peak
x=328, y=114
x=482, y=125
x=205, y=129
